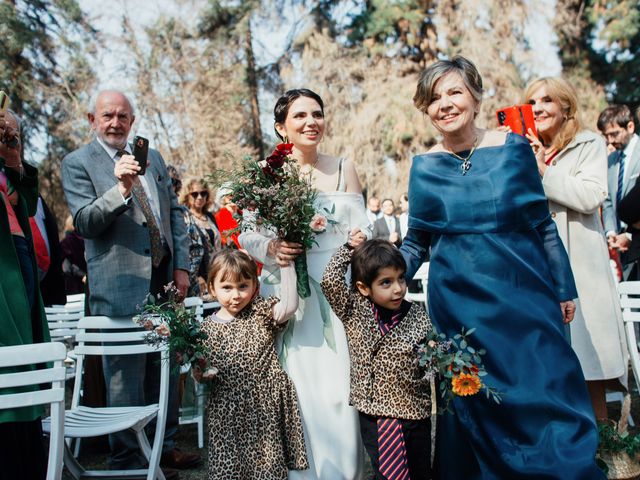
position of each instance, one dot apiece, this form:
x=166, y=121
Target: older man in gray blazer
x=617, y=125
x=135, y=242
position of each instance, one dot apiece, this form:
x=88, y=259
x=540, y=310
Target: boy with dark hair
x=387, y=386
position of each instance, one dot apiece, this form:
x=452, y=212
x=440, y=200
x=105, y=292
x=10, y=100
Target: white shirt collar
x=112, y=151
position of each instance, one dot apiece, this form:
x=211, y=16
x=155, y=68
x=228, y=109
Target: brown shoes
x=176, y=458
x=170, y=474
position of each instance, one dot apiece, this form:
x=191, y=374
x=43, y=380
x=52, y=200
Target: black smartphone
x=141, y=152
x=4, y=101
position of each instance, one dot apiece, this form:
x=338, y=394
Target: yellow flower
x=466, y=384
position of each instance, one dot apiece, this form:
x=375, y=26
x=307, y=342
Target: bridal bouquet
x=170, y=322
x=458, y=365
x=273, y=194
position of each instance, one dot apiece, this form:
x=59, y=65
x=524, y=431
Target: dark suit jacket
x=380, y=230
x=629, y=206
x=52, y=285
x=629, y=213
x=117, y=242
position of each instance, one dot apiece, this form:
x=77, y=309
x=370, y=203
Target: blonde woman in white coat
x=573, y=165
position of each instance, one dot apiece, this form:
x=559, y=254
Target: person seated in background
x=176, y=179
x=74, y=265
x=388, y=226
x=227, y=224
x=373, y=209
x=202, y=231
x=46, y=241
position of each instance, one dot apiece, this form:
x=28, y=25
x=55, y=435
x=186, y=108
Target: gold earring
x=285, y=139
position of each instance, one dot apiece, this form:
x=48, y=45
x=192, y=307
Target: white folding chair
x=76, y=298
x=192, y=405
x=630, y=303
x=104, y=336
x=14, y=395
x=195, y=304
x=63, y=326
x=423, y=276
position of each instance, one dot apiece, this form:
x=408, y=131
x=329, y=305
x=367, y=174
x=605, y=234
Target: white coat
x=576, y=185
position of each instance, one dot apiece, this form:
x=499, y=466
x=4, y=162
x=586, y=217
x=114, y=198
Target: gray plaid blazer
x=117, y=244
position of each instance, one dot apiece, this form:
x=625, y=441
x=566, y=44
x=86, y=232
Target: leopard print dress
x=253, y=423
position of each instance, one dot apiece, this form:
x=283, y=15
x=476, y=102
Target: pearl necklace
x=466, y=161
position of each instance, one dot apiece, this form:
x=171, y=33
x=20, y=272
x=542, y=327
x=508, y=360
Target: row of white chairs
x=68, y=326
x=95, y=336
x=63, y=322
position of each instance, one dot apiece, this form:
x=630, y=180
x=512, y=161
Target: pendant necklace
x=466, y=161
x=308, y=171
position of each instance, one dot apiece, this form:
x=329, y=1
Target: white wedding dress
x=314, y=349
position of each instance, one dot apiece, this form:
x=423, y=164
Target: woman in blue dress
x=497, y=265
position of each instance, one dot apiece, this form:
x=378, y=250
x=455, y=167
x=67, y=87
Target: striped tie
x=157, y=250
x=392, y=452
x=620, y=177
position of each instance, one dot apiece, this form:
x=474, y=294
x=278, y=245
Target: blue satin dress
x=497, y=264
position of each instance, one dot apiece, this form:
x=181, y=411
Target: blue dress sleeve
x=414, y=249
x=558, y=261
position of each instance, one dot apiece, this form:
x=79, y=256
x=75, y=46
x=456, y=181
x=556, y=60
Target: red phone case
x=518, y=117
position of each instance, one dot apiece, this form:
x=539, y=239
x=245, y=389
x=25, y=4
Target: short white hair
x=94, y=100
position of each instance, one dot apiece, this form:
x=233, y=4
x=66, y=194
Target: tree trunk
x=252, y=81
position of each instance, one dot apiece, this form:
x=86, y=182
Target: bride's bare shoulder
x=329, y=160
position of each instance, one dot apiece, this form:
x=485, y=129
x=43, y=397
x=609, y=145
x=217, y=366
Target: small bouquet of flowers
x=170, y=322
x=278, y=197
x=457, y=364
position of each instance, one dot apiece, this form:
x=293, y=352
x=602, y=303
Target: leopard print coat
x=254, y=427
x=385, y=378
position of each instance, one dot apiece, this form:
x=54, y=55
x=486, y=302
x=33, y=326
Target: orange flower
x=465, y=384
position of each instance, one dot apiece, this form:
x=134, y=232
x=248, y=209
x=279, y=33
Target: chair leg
x=201, y=431
x=76, y=447
x=75, y=469
x=143, y=441
x=200, y=394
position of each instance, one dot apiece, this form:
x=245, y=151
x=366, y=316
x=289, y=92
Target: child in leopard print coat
x=254, y=427
x=387, y=387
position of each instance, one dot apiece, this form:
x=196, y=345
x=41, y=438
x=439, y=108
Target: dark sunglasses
x=203, y=194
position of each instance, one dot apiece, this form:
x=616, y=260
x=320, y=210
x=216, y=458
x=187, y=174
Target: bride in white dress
x=313, y=347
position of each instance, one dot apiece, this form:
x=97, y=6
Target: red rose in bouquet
x=279, y=155
x=280, y=199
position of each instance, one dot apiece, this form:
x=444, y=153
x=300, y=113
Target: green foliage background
x=205, y=97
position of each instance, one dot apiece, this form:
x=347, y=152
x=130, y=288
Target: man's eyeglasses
x=204, y=194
